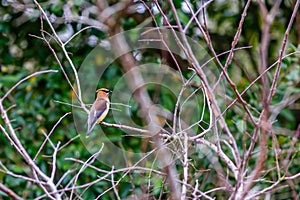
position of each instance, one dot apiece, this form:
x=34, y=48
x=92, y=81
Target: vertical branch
x=136, y=81
x=264, y=123
x=54, y=162
x=235, y=39
x=210, y=96
x=268, y=18
x=281, y=54
x=185, y=166
x=113, y=184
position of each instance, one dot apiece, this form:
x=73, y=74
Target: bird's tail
x=89, y=130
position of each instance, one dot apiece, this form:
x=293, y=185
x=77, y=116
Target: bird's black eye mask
x=107, y=91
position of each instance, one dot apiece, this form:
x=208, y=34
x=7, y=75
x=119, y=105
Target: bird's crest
x=104, y=90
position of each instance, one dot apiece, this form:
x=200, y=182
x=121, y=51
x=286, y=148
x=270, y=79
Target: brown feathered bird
x=99, y=109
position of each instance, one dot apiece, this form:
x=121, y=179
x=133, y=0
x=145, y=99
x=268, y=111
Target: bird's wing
x=98, y=108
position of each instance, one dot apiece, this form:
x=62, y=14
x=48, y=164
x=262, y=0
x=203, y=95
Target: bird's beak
x=110, y=92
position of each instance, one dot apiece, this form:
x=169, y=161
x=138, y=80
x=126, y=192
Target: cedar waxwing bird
x=99, y=109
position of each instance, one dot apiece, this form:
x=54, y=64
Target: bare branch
x=9, y=192
x=65, y=54
x=24, y=79
x=84, y=166
x=48, y=136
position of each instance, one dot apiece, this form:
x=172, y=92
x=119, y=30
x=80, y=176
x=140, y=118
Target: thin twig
x=113, y=184
x=65, y=54
x=26, y=78
x=84, y=166
x=48, y=136
x=54, y=161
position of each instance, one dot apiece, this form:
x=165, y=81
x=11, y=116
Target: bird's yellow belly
x=102, y=116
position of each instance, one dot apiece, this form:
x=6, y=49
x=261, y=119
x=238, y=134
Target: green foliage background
x=36, y=111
